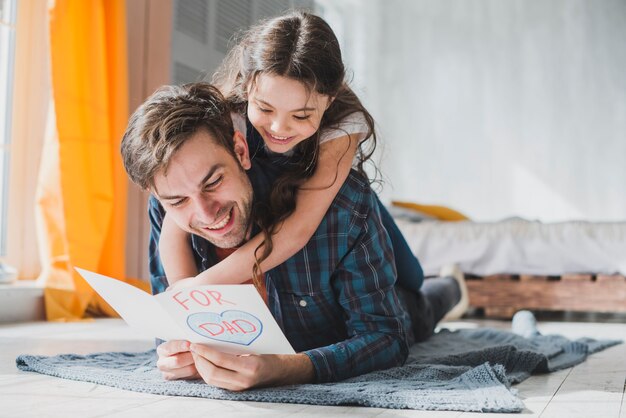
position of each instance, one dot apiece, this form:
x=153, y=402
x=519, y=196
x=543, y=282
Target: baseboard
x=21, y=302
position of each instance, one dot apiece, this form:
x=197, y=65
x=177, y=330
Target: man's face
x=206, y=191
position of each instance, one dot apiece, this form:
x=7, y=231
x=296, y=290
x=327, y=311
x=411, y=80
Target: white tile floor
x=592, y=389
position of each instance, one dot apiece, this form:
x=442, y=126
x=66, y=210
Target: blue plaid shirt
x=335, y=300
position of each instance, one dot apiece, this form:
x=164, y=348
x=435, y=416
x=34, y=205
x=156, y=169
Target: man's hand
x=175, y=361
x=233, y=372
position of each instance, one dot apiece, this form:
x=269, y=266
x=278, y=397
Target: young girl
x=285, y=81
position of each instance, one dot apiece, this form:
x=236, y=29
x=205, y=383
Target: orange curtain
x=81, y=196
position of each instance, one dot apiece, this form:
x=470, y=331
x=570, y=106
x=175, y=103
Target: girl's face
x=284, y=112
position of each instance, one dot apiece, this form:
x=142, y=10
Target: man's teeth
x=222, y=223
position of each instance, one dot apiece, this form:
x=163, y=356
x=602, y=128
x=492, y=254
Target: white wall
x=496, y=108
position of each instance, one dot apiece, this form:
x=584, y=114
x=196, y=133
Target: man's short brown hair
x=169, y=117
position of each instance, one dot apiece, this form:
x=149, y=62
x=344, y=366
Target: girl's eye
x=302, y=117
x=265, y=110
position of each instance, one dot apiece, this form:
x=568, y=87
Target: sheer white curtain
x=30, y=106
x=495, y=108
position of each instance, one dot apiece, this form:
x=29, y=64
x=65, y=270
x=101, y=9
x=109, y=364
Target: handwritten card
x=230, y=318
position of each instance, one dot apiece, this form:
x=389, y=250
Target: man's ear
x=241, y=150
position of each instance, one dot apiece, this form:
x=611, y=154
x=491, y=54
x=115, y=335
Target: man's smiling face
x=206, y=191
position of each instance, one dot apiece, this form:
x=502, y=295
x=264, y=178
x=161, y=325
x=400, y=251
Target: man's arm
x=363, y=285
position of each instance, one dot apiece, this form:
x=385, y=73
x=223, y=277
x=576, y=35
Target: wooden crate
x=502, y=295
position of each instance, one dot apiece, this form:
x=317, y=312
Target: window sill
x=21, y=301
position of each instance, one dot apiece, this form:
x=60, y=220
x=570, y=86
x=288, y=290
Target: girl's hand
x=183, y=283
x=175, y=251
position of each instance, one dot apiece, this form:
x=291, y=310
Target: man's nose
x=206, y=210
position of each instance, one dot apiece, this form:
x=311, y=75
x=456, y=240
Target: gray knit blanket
x=466, y=370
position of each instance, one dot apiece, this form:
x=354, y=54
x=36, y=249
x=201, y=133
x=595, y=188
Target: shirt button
x=303, y=303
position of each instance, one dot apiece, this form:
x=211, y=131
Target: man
x=335, y=300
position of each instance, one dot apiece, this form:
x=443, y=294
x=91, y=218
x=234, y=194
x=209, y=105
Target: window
x=7, y=61
x=24, y=109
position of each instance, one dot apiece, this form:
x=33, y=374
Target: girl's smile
x=281, y=140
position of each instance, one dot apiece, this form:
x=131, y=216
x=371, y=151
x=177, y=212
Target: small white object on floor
x=524, y=324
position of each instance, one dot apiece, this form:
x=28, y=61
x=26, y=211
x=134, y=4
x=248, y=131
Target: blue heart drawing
x=237, y=327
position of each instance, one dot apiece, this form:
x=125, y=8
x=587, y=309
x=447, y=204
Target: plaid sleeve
x=375, y=322
x=156, y=213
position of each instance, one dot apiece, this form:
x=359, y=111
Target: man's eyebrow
x=206, y=178
x=302, y=109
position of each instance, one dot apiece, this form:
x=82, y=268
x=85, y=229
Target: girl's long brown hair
x=300, y=46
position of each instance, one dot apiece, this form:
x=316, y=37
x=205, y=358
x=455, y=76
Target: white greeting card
x=230, y=318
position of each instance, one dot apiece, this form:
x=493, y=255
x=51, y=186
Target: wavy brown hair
x=165, y=121
x=300, y=46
